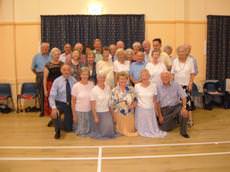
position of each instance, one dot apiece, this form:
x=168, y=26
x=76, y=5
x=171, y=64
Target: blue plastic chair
x=28, y=92
x=6, y=94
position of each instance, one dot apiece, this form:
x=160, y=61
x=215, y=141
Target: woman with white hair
x=121, y=64
x=145, y=116
x=136, y=47
x=52, y=70
x=100, y=104
x=130, y=55
x=184, y=73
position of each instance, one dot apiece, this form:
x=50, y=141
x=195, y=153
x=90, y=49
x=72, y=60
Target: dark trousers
x=39, y=82
x=68, y=117
x=172, y=115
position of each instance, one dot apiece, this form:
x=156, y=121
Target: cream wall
x=175, y=21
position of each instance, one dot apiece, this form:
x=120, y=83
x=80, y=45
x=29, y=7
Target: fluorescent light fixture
x=95, y=9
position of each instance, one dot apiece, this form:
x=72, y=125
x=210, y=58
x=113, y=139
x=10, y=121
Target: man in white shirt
x=66, y=56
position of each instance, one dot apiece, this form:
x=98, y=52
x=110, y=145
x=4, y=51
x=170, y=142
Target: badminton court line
x=110, y=158
x=116, y=146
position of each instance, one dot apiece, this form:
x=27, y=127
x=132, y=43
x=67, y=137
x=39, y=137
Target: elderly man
x=171, y=105
x=97, y=44
x=38, y=65
x=146, y=47
x=136, y=68
x=120, y=44
x=164, y=57
x=66, y=56
x=60, y=100
x=113, y=49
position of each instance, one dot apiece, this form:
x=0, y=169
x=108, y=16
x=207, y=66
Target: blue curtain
x=61, y=29
x=218, y=47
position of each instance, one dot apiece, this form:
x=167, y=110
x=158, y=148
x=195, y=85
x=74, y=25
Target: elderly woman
x=130, y=55
x=100, y=103
x=155, y=67
x=91, y=64
x=122, y=64
x=78, y=46
x=136, y=47
x=184, y=74
x=123, y=103
x=145, y=116
x=52, y=70
x=75, y=65
x=81, y=108
x=106, y=66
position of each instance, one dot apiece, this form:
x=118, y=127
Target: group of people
x=111, y=91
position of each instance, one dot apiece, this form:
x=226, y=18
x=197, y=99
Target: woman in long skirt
x=100, y=102
x=145, y=116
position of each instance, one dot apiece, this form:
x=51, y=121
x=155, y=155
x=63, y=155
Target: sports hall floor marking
x=116, y=146
x=100, y=157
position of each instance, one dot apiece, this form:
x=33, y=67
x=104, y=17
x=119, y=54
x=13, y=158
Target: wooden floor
x=26, y=144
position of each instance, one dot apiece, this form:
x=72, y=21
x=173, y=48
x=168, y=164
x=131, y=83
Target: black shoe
x=57, y=135
x=41, y=114
x=185, y=135
x=50, y=123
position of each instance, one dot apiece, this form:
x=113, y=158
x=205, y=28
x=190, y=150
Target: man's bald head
x=166, y=77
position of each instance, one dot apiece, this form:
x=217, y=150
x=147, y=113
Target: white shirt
x=182, y=71
x=145, y=95
x=101, y=97
x=155, y=71
x=119, y=67
x=82, y=94
x=63, y=57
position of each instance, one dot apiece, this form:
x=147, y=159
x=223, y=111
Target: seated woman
x=100, y=102
x=123, y=103
x=145, y=116
x=155, y=67
x=52, y=70
x=81, y=108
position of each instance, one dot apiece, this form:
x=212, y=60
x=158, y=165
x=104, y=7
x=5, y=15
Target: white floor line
x=110, y=158
x=99, y=161
x=166, y=156
x=47, y=158
x=117, y=146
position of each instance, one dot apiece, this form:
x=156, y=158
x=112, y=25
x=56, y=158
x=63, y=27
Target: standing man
x=146, y=48
x=38, y=65
x=60, y=100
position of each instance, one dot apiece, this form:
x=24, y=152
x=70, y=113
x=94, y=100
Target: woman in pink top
x=81, y=107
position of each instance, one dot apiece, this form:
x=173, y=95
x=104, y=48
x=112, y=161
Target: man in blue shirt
x=38, y=65
x=136, y=68
x=171, y=105
x=60, y=100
